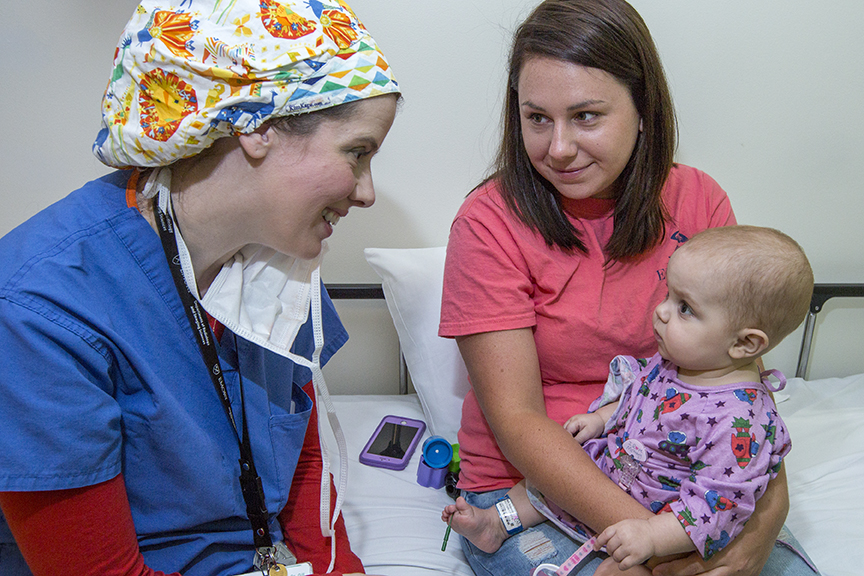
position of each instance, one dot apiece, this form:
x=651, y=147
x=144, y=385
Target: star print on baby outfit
x=705, y=454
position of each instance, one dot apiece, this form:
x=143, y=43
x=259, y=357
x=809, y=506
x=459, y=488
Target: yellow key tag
x=278, y=570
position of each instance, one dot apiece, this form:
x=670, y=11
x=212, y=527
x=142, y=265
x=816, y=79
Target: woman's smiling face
x=310, y=182
x=579, y=126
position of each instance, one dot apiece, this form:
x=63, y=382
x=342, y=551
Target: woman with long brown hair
x=554, y=265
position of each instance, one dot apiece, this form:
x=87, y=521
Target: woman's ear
x=750, y=343
x=258, y=143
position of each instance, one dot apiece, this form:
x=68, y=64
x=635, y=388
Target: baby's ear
x=750, y=343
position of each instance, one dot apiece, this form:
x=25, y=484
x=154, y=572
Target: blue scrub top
x=101, y=375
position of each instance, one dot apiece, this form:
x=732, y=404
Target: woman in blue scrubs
x=159, y=325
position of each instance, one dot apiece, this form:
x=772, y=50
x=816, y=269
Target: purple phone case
x=396, y=461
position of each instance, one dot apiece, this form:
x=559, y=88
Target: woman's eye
x=586, y=116
x=537, y=118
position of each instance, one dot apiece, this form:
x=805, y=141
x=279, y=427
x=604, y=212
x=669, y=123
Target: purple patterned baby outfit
x=703, y=453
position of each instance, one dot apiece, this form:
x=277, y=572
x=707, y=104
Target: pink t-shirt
x=500, y=275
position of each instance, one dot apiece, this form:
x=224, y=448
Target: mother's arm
x=505, y=376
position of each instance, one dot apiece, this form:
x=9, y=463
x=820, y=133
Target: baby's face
x=691, y=325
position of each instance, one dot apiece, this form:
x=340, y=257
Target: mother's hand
x=742, y=557
x=610, y=568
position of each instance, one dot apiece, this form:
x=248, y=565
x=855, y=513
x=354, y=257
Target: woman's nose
x=364, y=192
x=563, y=144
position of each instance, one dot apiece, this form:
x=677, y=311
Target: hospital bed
x=394, y=523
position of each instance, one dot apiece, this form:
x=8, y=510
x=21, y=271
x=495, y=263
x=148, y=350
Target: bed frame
x=368, y=292
x=821, y=294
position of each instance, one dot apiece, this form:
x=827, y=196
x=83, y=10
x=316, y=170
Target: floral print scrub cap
x=188, y=72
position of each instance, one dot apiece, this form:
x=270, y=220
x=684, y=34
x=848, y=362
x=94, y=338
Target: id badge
x=302, y=569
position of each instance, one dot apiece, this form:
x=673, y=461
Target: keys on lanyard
x=277, y=560
x=265, y=559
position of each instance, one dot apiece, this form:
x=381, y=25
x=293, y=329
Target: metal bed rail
x=821, y=294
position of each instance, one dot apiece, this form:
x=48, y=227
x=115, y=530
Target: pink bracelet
x=568, y=564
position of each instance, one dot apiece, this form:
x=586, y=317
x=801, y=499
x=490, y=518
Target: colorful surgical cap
x=188, y=72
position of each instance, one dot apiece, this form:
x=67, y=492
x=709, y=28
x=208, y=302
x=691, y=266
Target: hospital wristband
x=508, y=515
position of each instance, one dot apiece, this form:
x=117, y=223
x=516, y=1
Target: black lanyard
x=250, y=482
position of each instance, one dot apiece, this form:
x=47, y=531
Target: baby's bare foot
x=482, y=527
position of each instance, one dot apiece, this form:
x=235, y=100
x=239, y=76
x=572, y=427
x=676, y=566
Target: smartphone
x=393, y=442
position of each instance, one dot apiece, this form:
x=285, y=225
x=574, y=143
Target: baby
x=692, y=433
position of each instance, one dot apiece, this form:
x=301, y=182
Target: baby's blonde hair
x=763, y=276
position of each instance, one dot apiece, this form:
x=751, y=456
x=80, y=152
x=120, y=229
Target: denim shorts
x=545, y=543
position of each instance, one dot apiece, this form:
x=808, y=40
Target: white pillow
x=412, y=280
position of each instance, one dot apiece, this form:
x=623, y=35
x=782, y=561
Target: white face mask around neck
x=260, y=294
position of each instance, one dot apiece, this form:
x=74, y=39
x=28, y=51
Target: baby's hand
x=585, y=426
x=628, y=542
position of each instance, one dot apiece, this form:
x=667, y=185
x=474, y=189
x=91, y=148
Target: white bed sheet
x=394, y=523
x=395, y=527
x=825, y=470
